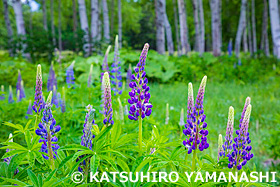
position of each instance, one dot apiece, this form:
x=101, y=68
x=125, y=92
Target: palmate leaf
x=15, y=162
x=123, y=165
x=103, y=133
x=17, y=126
x=33, y=178
x=110, y=161
x=77, y=163
x=13, y=145
x=12, y=153
x=94, y=163
x=28, y=138
x=80, y=153
x=74, y=147
x=13, y=181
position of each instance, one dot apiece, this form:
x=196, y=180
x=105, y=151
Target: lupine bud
x=11, y=100
x=227, y=147
x=63, y=101
x=115, y=75
x=22, y=92
x=129, y=75
x=29, y=110
x=18, y=96
x=89, y=83
x=38, y=99
x=108, y=110
x=120, y=110
x=105, y=67
x=47, y=129
x=181, y=122
x=195, y=126
x=2, y=96
x=167, y=114
x=51, y=79
x=70, y=79
x=139, y=95
x=220, y=146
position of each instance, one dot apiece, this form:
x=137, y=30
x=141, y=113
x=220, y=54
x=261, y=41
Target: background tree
x=160, y=37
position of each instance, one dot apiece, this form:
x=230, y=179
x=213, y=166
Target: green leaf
x=94, y=162
x=64, y=161
x=75, y=147
x=14, y=181
x=17, y=126
x=28, y=138
x=51, y=175
x=12, y=153
x=103, y=133
x=80, y=153
x=33, y=178
x=123, y=165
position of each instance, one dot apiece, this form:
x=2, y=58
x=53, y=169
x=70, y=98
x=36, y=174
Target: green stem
x=140, y=136
x=50, y=151
x=35, y=126
x=193, y=160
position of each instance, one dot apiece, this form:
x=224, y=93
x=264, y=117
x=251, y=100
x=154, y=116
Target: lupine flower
x=181, y=122
x=90, y=76
x=108, y=110
x=8, y=159
x=241, y=152
x=19, y=81
x=11, y=100
x=139, y=95
x=86, y=139
x=220, y=146
x=190, y=101
x=230, y=48
x=22, y=92
x=227, y=147
x=51, y=79
x=38, y=99
x=29, y=110
x=121, y=114
x=63, y=104
x=47, y=129
x=115, y=75
x=2, y=96
x=70, y=79
x=195, y=126
x=128, y=75
x=105, y=67
x=54, y=98
x=167, y=114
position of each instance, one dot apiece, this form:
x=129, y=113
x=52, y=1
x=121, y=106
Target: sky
x=34, y=5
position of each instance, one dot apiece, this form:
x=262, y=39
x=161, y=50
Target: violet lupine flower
x=230, y=47
x=2, y=96
x=89, y=83
x=47, y=129
x=241, y=152
x=29, y=110
x=115, y=75
x=108, y=110
x=19, y=81
x=10, y=100
x=55, y=98
x=220, y=146
x=139, y=95
x=8, y=159
x=227, y=147
x=105, y=67
x=51, y=79
x=38, y=100
x=63, y=104
x=181, y=122
x=195, y=126
x=70, y=79
x=128, y=75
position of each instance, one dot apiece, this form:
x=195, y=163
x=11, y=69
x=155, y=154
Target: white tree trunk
x=8, y=26
x=59, y=26
x=94, y=20
x=275, y=26
x=44, y=15
x=216, y=28
x=84, y=26
x=75, y=24
x=120, y=22
x=249, y=30
x=106, y=21
x=168, y=30
x=241, y=27
x=184, y=35
x=264, y=38
x=245, y=41
x=196, y=25
x=176, y=27
x=160, y=37
x=202, y=28
x=254, y=27
x=52, y=25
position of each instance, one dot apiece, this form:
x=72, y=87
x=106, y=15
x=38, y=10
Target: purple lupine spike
x=8, y=159
x=29, y=110
x=129, y=75
x=51, y=79
x=195, y=128
x=47, y=129
x=89, y=83
x=22, y=92
x=227, y=147
x=220, y=147
x=108, y=110
x=10, y=100
x=63, y=104
x=2, y=96
x=115, y=75
x=105, y=67
x=18, y=96
x=241, y=152
x=247, y=102
x=70, y=79
x=86, y=139
x=19, y=81
x=139, y=95
x=38, y=99
x=55, y=98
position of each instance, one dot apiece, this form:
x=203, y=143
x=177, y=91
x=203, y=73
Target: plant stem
x=35, y=122
x=193, y=160
x=50, y=151
x=140, y=136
